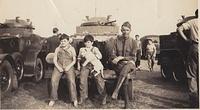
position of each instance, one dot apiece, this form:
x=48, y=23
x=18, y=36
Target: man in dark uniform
x=123, y=57
x=53, y=41
x=139, y=52
x=192, y=63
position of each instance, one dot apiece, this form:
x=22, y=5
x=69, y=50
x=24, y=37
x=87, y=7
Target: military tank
x=102, y=28
x=20, y=53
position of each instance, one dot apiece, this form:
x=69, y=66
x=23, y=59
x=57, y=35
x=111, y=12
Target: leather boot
x=118, y=86
x=126, y=96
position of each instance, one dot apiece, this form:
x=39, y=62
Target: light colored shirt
x=65, y=56
x=150, y=47
x=192, y=26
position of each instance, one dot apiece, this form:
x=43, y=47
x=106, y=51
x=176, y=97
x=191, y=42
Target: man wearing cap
x=123, y=57
x=53, y=41
x=192, y=63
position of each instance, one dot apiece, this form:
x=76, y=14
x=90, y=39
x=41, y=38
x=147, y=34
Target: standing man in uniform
x=123, y=57
x=151, y=54
x=192, y=63
x=139, y=52
x=53, y=41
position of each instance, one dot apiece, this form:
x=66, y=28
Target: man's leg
x=126, y=95
x=149, y=61
x=70, y=76
x=101, y=87
x=152, y=62
x=193, y=95
x=55, y=78
x=192, y=70
x=122, y=76
x=84, y=84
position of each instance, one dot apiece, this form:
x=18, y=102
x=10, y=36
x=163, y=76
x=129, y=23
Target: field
x=150, y=90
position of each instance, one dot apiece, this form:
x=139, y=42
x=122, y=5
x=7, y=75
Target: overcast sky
x=146, y=16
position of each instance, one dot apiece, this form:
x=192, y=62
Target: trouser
x=138, y=58
x=85, y=71
x=70, y=76
x=192, y=71
x=122, y=79
x=125, y=90
x=151, y=60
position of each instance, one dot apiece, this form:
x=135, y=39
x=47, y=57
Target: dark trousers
x=123, y=70
x=151, y=60
x=85, y=71
x=70, y=76
x=138, y=58
x=192, y=71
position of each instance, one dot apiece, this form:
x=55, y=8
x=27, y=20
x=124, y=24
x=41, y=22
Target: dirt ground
x=150, y=90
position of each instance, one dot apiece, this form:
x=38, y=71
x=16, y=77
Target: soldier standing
x=139, y=52
x=192, y=63
x=151, y=54
x=53, y=41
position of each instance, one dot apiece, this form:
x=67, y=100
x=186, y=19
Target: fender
x=29, y=62
x=8, y=57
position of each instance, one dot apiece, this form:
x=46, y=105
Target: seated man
x=123, y=57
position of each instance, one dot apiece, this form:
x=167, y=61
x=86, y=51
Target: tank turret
x=16, y=26
x=98, y=27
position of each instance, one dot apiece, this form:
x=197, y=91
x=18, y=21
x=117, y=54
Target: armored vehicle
x=20, y=52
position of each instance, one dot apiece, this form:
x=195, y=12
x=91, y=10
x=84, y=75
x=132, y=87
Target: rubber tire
x=19, y=59
x=166, y=73
x=7, y=67
x=41, y=74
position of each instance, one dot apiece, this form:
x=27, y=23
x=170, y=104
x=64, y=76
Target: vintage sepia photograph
x=99, y=54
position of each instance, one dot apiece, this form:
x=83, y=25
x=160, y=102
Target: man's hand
x=60, y=69
x=115, y=61
x=67, y=68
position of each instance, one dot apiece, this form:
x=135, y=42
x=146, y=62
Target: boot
x=119, y=84
x=126, y=97
x=104, y=100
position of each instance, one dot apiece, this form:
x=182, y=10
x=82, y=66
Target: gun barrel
x=109, y=22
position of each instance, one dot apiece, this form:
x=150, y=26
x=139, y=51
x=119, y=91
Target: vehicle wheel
x=175, y=77
x=39, y=70
x=6, y=74
x=166, y=72
x=19, y=67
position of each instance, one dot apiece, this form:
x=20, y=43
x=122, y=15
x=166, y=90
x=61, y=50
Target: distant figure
x=123, y=58
x=53, y=41
x=139, y=52
x=151, y=54
x=192, y=63
x=64, y=60
x=90, y=65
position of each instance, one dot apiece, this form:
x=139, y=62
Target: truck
x=173, y=54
